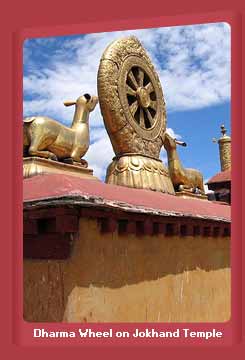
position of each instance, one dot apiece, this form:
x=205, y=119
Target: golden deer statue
x=47, y=138
x=190, y=180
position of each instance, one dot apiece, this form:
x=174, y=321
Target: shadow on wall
x=114, y=260
x=129, y=268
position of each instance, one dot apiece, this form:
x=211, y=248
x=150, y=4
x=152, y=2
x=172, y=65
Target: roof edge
x=104, y=204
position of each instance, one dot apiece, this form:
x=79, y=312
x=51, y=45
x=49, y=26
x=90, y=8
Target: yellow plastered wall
x=129, y=278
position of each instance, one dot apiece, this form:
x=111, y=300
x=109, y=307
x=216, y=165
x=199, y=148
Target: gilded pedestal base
x=36, y=166
x=139, y=172
x=188, y=195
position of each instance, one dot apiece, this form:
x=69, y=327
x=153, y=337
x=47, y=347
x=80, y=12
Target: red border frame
x=16, y=330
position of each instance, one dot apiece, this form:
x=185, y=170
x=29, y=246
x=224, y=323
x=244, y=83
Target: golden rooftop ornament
x=185, y=181
x=134, y=113
x=46, y=140
x=133, y=109
x=224, y=149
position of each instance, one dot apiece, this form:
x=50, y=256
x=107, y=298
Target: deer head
x=170, y=143
x=89, y=102
x=84, y=105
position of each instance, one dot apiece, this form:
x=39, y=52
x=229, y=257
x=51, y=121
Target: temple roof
x=223, y=176
x=54, y=189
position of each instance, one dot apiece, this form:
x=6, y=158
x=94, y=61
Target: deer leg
x=67, y=161
x=34, y=150
x=76, y=155
x=183, y=187
x=201, y=186
x=84, y=163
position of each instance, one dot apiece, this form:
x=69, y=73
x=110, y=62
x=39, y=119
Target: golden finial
x=224, y=149
x=224, y=131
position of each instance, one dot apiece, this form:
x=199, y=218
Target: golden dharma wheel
x=131, y=99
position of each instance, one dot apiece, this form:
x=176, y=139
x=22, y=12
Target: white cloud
x=100, y=153
x=193, y=63
x=173, y=134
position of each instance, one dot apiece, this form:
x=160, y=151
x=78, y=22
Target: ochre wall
x=129, y=278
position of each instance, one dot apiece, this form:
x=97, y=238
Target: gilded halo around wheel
x=131, y=99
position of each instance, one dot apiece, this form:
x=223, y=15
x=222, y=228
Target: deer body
x=48, y=138
x=182, y=178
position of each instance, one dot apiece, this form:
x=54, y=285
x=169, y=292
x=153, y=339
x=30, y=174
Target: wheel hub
x=143, y=97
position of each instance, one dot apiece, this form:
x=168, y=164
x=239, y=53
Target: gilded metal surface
x=47, y=138
x=33, y=166
x=225, y=150
x=184, y=194
x=131, y=99
x=140, y=97
x=188, y=180
x=140, y=172
x=133, y=109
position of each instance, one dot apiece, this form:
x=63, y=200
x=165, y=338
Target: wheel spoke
x=149, y=116
x=130, y=91
x=133, y=80
x=140, y=77
x=133, y=107
x=149, y=88
x=153, y=105
x=142, y=117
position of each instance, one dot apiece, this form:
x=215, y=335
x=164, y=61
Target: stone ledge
x=33, y=166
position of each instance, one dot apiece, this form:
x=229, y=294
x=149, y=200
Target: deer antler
x=69, y=103
x=182, y=143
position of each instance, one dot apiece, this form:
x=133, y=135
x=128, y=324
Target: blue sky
x=193, y=63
